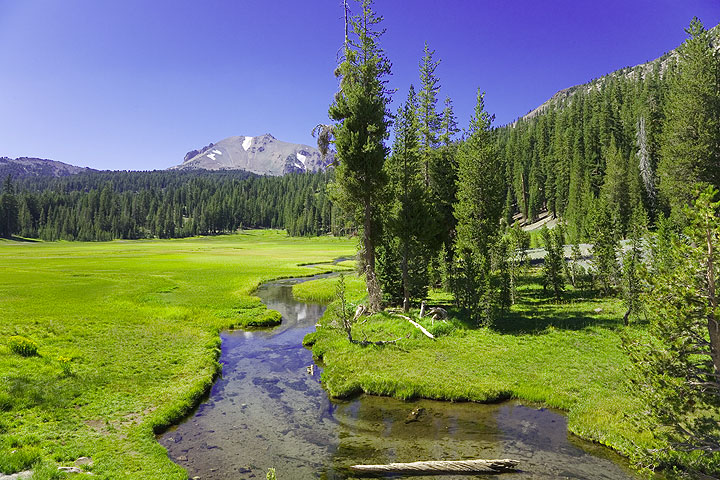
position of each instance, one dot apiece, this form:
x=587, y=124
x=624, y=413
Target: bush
x=23, y=346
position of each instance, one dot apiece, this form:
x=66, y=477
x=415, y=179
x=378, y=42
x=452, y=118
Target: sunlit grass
x=565, y=355
x=323, y=290
x=127, y=336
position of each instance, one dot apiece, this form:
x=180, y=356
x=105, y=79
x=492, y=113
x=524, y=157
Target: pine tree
x=9, y=209
x=407, y=219
x=615, y=189
x=632, y=266
x=428, y=118
x=605, y=247
x=677, y=366
x=443, y=188
x=647, y=173
x=448, y=123
x=360, y=110
x=478, y=212
x=690, y=151
x=553, y=266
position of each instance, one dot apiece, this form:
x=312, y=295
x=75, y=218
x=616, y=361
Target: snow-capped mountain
x=264, y=155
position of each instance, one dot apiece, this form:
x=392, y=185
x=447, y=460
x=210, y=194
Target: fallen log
x=439, y=467
x=417, y=325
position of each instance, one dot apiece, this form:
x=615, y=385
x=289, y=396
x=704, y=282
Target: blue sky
x=134, y=84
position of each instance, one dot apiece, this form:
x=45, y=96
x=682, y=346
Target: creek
x=267, y=410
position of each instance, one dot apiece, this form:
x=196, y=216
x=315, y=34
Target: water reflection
x=268, y=411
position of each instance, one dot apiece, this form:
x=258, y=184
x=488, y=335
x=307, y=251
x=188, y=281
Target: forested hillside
x=163, y=204
x=602, y=143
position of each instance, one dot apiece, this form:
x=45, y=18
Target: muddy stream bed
x=267, y=411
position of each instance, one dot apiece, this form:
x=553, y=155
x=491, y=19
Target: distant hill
x=264, y=155
x=23, y=167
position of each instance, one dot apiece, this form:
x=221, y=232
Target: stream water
x=267, y=410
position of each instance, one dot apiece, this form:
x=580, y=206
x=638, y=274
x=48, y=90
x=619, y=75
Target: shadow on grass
x=536, y=310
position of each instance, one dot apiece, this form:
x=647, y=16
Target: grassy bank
x=127, y=336
x=563, y=355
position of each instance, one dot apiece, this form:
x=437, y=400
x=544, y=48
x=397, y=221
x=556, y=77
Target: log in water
x=438, y=467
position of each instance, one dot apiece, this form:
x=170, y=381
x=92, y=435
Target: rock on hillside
x=37, y=167
x=264, y=155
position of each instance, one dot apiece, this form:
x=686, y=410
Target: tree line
x=166, y=204
x=624, y=142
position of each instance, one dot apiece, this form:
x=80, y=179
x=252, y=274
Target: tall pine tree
x=690, y=150
x=360, y=110
x=478, y=210
x=407, y=234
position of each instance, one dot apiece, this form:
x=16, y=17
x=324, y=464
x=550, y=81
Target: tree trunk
x=713, y=325
x=405, y=279
x=373, y=287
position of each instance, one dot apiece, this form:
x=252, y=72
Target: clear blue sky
x=134, y=84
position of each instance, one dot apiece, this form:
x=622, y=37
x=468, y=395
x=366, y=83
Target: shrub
x=23, y=346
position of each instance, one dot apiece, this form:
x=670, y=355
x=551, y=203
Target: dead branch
x=418, y=326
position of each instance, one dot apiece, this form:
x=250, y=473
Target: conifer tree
x=615, y=188
x=647, y=173
x=478, y=214
x=632, y=266
x=428, y=118
x=406, y=234
x=553, y=266
x=690, y=150
x=448, y=123
x=443, y=187
x=360, y=110
x=9, y=209
x=678, y=365
x=605, y=247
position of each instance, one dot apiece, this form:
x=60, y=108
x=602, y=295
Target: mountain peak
x=264, y=155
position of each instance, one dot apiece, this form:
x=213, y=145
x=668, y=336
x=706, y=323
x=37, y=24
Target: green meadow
x=128, y=340
x=565, y=355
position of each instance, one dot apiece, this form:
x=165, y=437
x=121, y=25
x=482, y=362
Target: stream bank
x=267, y=410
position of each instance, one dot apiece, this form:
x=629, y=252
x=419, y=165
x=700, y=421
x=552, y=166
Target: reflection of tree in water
x=380, y=430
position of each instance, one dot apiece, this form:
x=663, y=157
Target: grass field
x=127, y=336
x=563, y=355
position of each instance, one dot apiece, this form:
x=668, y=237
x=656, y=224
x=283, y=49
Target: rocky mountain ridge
x=22, y=167
x=564, y=96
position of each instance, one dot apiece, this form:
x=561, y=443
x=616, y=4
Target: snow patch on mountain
x=246, y=143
